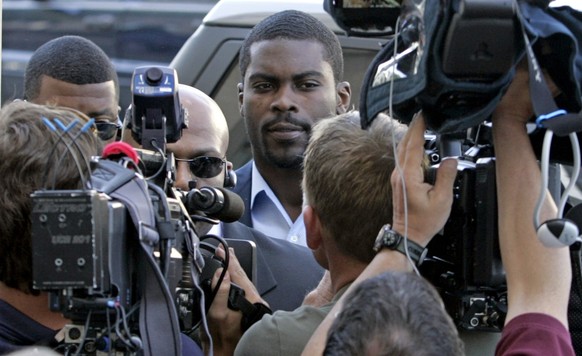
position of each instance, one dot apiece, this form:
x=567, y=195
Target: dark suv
x=209, y=59
x=132, y=33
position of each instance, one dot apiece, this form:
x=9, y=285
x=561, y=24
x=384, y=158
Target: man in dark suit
x=285, y=271
x=292, y=68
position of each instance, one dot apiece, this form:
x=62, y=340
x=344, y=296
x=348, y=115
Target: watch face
x=391, y=240
x=386, y=239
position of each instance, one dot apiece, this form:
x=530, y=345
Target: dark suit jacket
x=243, y=189
x=285, y=271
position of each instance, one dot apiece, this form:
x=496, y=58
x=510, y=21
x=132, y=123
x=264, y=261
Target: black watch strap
x=388, y=238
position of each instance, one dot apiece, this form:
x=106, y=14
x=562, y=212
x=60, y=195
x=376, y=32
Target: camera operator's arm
x=225, y=323
x=538, y=278
x=428, y=210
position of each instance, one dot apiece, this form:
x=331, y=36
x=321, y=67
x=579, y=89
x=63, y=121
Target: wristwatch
x=388, y=238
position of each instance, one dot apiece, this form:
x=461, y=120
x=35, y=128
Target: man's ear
x=312, y=227
x=344, y=93
x=230, y=176
x=240, y=89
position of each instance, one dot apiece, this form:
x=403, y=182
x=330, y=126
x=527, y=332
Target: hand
x=515, y=105
x=428, y=205
x=225, y=323
x=240, y=278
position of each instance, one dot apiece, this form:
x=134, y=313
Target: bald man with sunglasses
x=285, y=271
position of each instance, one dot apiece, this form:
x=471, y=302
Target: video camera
x=103, y=252
x=454, y=60
x=464, y=261
x=155, y=98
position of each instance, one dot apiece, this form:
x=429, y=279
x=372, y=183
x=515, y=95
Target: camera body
x=156, y=113
x=103, y=251
x=454, y=60
x=464, y=260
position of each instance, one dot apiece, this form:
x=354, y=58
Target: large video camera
x=454, y=60
x=104, y=252
x=464, y=261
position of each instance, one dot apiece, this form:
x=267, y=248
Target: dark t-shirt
x=535, y=334
x=18, y=330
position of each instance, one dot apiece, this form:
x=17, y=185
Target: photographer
x=538, y=277
x=27, y=156
x=338, y=199
x=29, y=153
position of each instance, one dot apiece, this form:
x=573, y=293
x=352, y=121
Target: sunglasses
x=107, y=130
x=204, y=166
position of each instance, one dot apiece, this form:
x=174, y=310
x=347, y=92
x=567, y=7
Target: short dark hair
x=71, y=59
x=295, y=25
x=27, y=155
x=394, y=313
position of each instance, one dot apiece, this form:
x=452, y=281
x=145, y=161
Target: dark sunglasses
x=107, y=130
x=204, y=166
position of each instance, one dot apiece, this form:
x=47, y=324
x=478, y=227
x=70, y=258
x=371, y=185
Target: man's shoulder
x=291, y=329
x=243, y=186
x=285, y=271
x=244, y=175
x=537, y=334
x=238, y=230
x=245, y=169
x=18, y=330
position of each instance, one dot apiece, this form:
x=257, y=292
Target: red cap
x=120, y=148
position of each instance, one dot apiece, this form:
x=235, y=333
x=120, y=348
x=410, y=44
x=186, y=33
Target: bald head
x=206, y=135
x=204, y=115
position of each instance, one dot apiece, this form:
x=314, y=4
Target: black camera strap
x=547, y=112
x=252, y=312
x=159, y=327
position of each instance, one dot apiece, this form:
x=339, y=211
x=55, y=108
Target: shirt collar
x=259, y=184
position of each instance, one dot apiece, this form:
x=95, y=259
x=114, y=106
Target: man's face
x=197, y=141
x=201, y=138
x=97, y=101
x=287, y=88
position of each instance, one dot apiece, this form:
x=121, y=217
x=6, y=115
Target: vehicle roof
x=247, y=13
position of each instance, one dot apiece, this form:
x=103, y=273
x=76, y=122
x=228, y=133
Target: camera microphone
x=216, y=203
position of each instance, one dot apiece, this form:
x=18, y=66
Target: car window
x=131, y=32
x=141, y=30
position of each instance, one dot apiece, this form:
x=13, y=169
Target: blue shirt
x=269, y=215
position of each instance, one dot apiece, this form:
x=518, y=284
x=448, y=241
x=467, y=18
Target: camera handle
x=251, y=312
x=450, y=146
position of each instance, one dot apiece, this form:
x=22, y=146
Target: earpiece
x=229, y=179
x=136, y=342
x=558, y=233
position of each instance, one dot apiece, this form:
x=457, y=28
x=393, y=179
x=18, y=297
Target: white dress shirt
x=268, y=214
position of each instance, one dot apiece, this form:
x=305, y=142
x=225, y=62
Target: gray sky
x=576, y=4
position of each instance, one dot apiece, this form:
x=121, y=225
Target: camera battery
x=67, y=238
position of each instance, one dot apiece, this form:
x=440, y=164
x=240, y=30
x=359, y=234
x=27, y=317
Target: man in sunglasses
x=285, y=271
x=74, y=72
